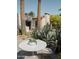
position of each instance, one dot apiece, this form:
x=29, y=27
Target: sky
x=47, y=6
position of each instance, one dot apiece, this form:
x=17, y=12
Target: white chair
x=45, y=51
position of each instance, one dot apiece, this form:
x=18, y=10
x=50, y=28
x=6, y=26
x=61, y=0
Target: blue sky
x=47, y=6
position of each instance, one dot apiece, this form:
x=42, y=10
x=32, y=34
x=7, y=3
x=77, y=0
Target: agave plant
x=47, y=34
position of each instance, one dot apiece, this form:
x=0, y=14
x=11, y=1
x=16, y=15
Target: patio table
x=32, y=48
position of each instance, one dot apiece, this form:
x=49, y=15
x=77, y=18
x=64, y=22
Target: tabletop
x=26, y=47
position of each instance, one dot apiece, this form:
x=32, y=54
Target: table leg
x=33, y=53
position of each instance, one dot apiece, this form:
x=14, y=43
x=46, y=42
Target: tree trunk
x=17, y=25
x=38, y=15
x=23, y=29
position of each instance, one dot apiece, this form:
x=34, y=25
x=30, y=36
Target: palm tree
x=38, y=15
x=22, y=17
x=17, y=24
x=31, y=14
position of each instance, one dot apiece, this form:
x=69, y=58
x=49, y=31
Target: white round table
x=26, y=47
x=33, y=48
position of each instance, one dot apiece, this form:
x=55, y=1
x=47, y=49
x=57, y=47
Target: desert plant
x=47, y=34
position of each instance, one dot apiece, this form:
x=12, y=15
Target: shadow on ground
x=21, y=54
